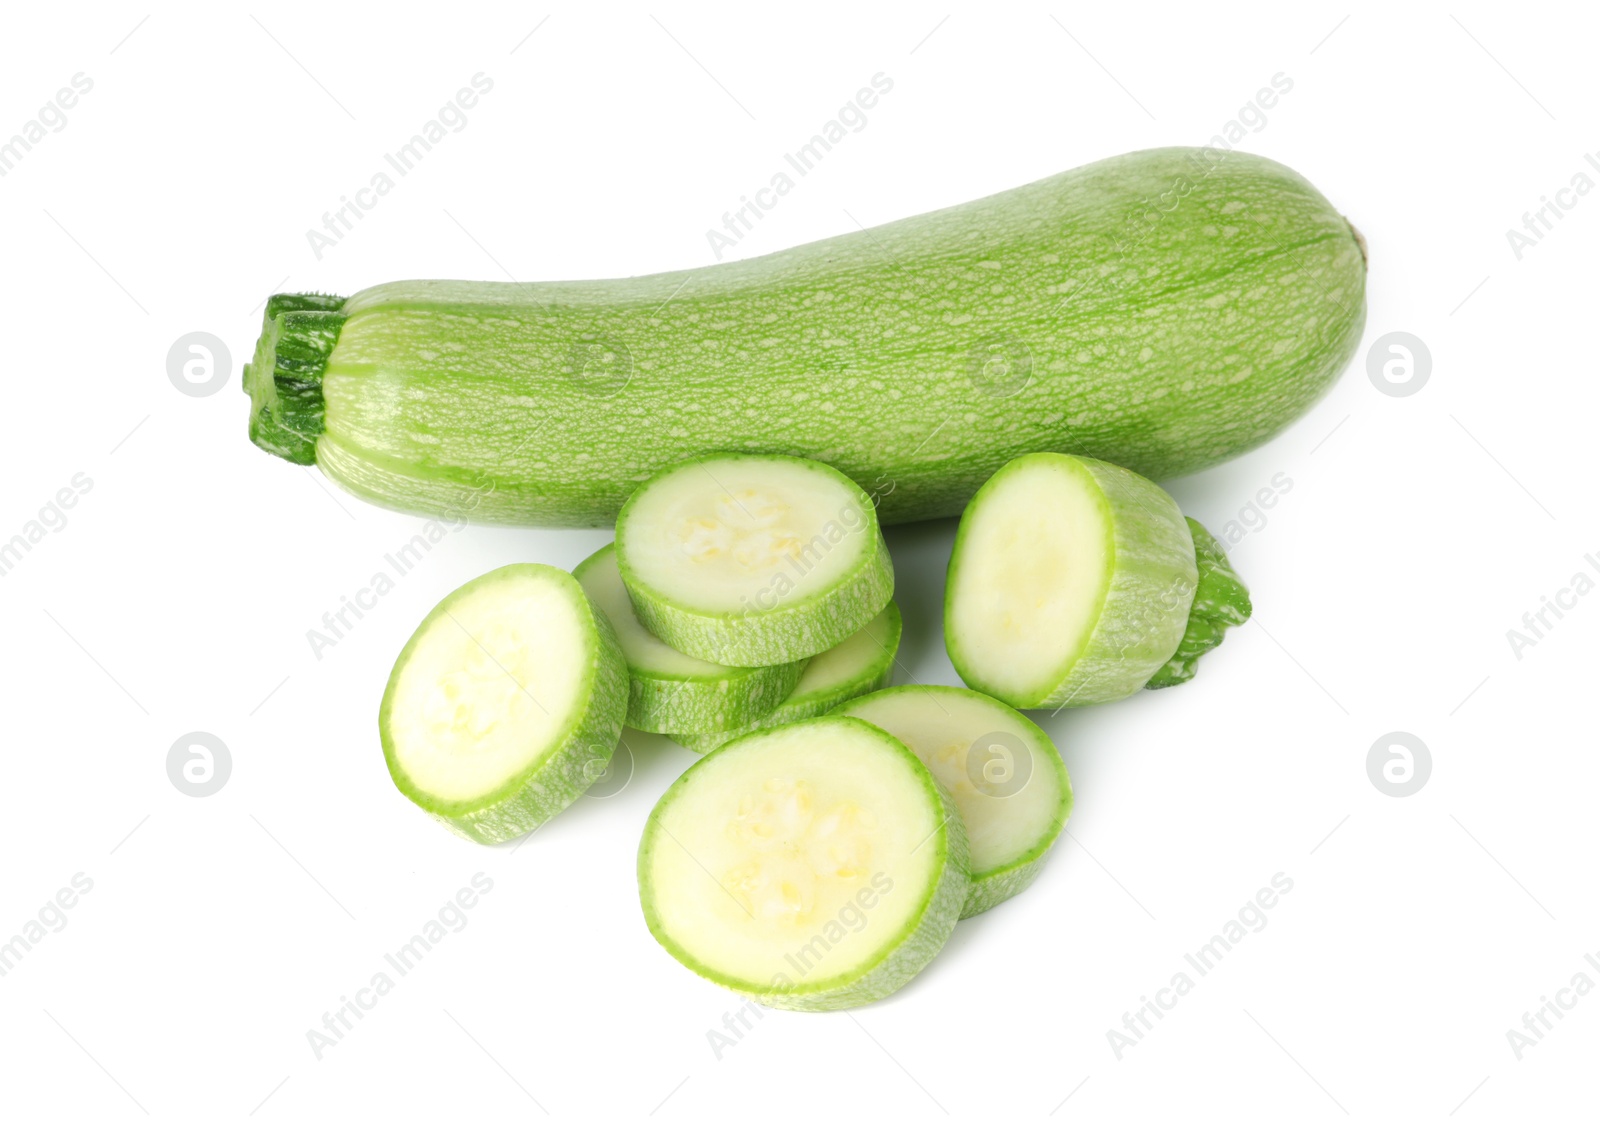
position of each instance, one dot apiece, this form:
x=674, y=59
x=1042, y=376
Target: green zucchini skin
x=809, y=704
x=664, y=705
x=1163, y=310
x=665, y=702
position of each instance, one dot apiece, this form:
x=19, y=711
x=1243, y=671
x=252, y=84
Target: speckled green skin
x=1221, y=602
x=573, y=763
x=1163, y=310
x=922, y=937
x=790, y=628
x=816, y=702
x=664, y=702
x=663, y=705
x=1143, y=611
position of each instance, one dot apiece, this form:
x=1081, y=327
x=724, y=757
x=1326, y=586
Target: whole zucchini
x=1162, y=310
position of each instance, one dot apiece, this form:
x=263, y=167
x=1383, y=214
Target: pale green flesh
x=713, y=535
x=1069, y=583
x=860, y=664
x=1005, y=774
x=869, y=654
x=669, y=690
x=506, y=703
x=813, y=866
x=1160, y=310
x=599, y=576
x=752, y=560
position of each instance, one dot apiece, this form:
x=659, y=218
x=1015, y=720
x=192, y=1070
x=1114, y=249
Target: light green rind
x=574, y=762
x=1143, y=611
x=662, y=702
x=1164, y=310
x=809, y=702
x=709, y=743
x=994, y=886
x=997, y=887
x=794, y=629
x=893, y=966
x=666, y=706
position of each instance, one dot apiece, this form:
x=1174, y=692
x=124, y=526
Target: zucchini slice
x=669, y=691
x=1070, y=582
x=753, y=560
x=859, y=664
x=813, y=866
x=505, y=704
x=1005, y=774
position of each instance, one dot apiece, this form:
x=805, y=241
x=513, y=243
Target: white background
x=1418, y=530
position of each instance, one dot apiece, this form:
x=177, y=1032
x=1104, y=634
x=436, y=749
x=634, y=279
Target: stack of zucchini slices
x=836, y=829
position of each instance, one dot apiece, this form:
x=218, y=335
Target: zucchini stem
x=284, y=379
x=1221, y=602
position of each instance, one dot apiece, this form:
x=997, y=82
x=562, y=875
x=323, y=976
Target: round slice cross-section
x=753, y=560
x=506, y=703
x=1070, y=582
x=813, y=866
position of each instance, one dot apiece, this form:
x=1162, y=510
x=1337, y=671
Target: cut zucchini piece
x=813, y=866
x=1221, y=602
x=1005, y=774
x=752, y=559
x=669, y=691
x=506, y=703
x=859, y=664
x=1070, y=582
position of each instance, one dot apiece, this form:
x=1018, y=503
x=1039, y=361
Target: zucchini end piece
x=284, y=378
x=1221, y=602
